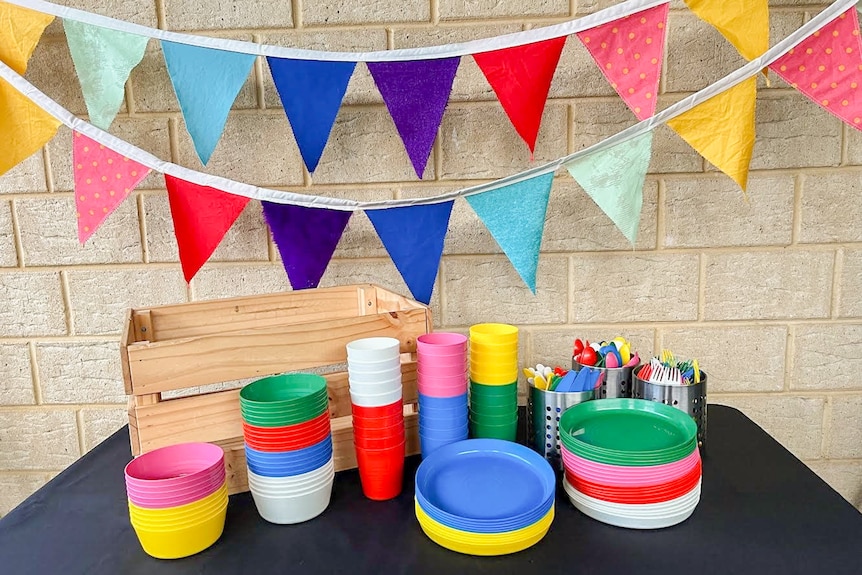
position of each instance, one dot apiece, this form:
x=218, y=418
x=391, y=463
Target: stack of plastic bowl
x=631, y=462
x=485, y=497
x=288, y=446
x=177, y=498
x=494, y=381
x=374, y=373
x=441, y=360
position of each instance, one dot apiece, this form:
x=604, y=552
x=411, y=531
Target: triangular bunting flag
x=24, y=127
x=515, y=216
x=722, y=129
x=20, y=30
x=103, y=59
x=413, y=236
x=202, y=216
x=826, y=68
x=416, y=94
x=206, y=82
x=311, y=92
x=629, y=51
x=614, y=179
x=103, y=179
x=744, y=23
x=306, y=239
x=521, y=78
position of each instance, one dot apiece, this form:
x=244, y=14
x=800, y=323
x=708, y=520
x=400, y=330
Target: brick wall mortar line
x=68, y=312
x=79, y=426
x=46, y=165
x=837, y=271
x=789, y=356
x=826, y=428
x=296, y=13
x=142, y=228
x=16, y=236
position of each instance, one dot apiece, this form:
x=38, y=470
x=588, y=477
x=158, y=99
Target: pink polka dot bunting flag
x=103, y=179
x=827, y=67
x=629, y=51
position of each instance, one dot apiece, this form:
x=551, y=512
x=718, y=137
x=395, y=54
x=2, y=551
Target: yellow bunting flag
x=722, y=129
x=24, y=127
x=20, y=30
x=745, y=23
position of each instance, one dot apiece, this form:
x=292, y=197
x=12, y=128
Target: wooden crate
x=177, y=347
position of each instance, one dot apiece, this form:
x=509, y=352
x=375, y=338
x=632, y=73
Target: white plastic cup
x=375, y=400
x=373, y=349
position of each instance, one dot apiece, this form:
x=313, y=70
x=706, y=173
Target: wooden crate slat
x=203, y=360
x=216, y=416
x=235, y=314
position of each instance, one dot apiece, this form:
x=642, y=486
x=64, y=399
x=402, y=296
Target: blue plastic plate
x=485, y=479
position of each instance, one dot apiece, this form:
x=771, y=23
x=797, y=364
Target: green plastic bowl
x=285, y=390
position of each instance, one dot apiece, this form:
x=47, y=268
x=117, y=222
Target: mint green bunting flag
x=103, y=61
x=614, y=179
x=515, y=216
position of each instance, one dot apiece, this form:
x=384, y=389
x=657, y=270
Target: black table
x=762, y=511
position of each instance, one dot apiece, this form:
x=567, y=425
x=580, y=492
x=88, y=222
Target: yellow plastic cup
x=493, y=333
x=486, y=544
x=182, y=542
x=493, y=378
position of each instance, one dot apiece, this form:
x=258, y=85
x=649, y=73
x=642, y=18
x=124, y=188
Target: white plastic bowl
x=375, y=400
x=296, y=509
x=293, y=480
x=293, y=491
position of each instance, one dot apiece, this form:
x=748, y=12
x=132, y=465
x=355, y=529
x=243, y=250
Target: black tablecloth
x=762, y=511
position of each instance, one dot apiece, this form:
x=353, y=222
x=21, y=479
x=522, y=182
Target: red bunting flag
x=103, y=179
x=826, y=67
x=202, y=216
x=521, y=77
x=629, y=51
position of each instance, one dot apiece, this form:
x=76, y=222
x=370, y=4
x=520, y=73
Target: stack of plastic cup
x=374, y=374
x=442, y=379
x=177, y=498
x=288, y=446
x=494, y=381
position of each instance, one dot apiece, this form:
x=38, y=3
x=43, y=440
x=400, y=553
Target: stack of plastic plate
x=177, y=498
x=485, y=497
x=441, y=362
x=494, y=381
x=288, y=446
x=631, y=462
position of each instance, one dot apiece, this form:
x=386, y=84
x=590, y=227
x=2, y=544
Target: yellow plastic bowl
x=179, y=524
x=209, y=503
x=182, y=542
x=484, y=543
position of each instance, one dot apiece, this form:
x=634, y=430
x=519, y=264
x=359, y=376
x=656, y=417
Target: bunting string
x=284, y=197
x=423, y=53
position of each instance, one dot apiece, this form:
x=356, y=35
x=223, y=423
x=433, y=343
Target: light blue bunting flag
x=413, y=236
x=515, y=216
x=103, y=60
x=614, y=179
x=206, y=82
x=311, y=92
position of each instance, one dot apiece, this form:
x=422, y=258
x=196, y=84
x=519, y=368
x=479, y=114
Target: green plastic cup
x=494, y=419
x=506, y=432
x=479, y=389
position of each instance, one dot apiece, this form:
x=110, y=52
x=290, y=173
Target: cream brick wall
x=766, y=289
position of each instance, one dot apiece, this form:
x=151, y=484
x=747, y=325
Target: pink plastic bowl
x=625, y=476
x=177, y=499
x=175, y=467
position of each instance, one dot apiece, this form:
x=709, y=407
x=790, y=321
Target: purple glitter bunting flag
x=416, y=94
x=306, y=239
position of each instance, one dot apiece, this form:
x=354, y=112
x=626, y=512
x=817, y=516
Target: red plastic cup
x=360, y=422
x=382, y=443
x=381, y=471
x=378, y=410
x=379, y=433
x=441, y=343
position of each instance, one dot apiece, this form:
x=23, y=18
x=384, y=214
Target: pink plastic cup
x=441, y=371
x=175, y=466
x=433, y=361
x=442, y=343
